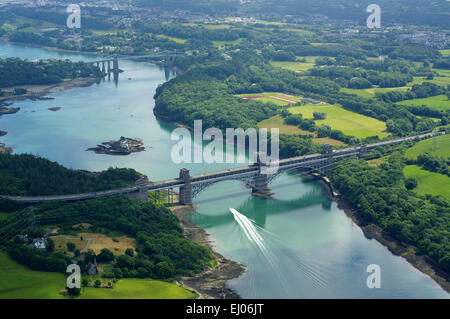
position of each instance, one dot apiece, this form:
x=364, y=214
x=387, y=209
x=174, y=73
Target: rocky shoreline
x=212, y=282
x=421, y=262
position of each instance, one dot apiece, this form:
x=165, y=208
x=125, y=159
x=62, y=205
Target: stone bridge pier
x=328, y=151
x=261, y=183
x=186, y=190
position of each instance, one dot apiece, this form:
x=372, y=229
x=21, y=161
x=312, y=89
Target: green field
x=19, y=282
x=298, y=66
x=341, y=119
x=278, y=122
x=370, y=93
x=428, y=145
x=428, y=182
x=442, y=80
x=138, y=289
x=177, y=40
x=445, y=52
x=268, y=99
x=439, y=102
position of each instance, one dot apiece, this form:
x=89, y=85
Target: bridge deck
x=228, y=174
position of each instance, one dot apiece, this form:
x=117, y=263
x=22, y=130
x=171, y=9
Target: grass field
x=445, y=52
x=341, y=119
x=272, y=97
x=442, y=80
x=19, y=282
x=278, y=122
x=282, y=96
x=428, y=182
x=177, y=40
x=428, y=145
x=298, y=66
x=439, y=102
x=269, y=100
x=96, y=242
x=370, y=93
x=139, y=289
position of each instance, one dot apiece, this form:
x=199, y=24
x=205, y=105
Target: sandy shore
x=372, y=231
x=212, y=282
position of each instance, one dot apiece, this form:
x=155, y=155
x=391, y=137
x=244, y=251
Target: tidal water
x=307, y=247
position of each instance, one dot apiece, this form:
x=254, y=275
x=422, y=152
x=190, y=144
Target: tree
x=50, y=245
x=319, y=116
x=129, y=252
x=73, y=291
x=411, y=183
x=71, y=246
x=105, y=255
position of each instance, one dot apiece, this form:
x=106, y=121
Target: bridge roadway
x=250, y=171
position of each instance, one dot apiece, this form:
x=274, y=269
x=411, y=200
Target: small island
x=3, y=133
x=54, y=109
x=124, y=146
x=11, y=110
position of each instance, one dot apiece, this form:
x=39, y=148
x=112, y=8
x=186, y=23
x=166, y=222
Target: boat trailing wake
x=254, y=233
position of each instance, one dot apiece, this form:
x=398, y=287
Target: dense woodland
x=381, y=197
x=16, y=71
x=26, y=174
x=163, y=252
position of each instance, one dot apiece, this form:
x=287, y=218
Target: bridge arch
x=197, y=189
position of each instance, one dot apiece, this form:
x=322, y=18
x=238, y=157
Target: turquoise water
x=319, y=252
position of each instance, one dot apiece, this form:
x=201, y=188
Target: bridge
x=254, y=176
x=111, y=63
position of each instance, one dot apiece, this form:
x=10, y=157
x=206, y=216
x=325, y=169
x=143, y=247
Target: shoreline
x=212, y=282
x=36, y=92
x=421, y=263
x=48, y=48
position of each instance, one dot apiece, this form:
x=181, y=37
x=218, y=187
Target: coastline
x=371, y=231
x=212, y=282
x=48, y=48
x=39, y=91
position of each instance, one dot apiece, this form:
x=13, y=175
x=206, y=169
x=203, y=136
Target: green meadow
x=278, y=122
x=138, y=289
x=297, y=66
x=439, y=102
x=177, y=40
x=341, y=119
x=370, y=93
x=429, y=146
x=443, y=80
x=19, y=282
x=428, y=182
